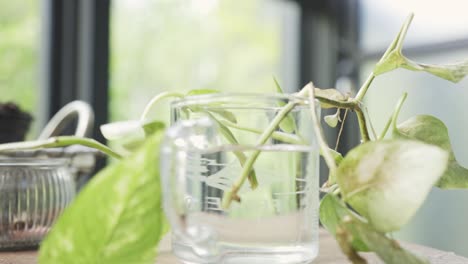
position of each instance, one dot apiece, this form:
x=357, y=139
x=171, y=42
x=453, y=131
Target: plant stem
x=232, y=195
x=387, y=126
x=396, y=44
x=341, y=129
x=343, y=237
x=351, y=104
x=397, y=110
x=401, y=37
x=374, y=134
x=281, y=136
x=362, y=125
x=61, y=141
x=394, y=116
x=155, y=100
x=320, y=136
x=363, y=90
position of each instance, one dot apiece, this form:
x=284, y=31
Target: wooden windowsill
x=329, y=254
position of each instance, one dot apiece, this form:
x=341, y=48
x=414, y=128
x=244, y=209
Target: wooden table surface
x=329, y=254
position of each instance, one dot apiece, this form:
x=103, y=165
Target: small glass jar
x=33, y=193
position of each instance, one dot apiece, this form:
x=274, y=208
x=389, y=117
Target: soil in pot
x=14, y=123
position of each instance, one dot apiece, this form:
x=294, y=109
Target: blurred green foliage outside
x=19, y=52
x=182, y=45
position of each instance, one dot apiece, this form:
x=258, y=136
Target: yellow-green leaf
x=332, y=212
x=116, y=218
x=432, y=130
x=332, y=120
x=288, y=124
x=201, y=92
x=387, y=181
x=387, y=249
x=329, y=94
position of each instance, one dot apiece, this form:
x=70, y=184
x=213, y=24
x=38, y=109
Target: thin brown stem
x=341, y=129
x=370, y=123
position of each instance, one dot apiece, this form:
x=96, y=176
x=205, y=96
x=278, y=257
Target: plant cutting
x=373, y=190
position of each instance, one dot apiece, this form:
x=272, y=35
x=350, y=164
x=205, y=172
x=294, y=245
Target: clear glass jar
x=33, y=193
x=218, y=147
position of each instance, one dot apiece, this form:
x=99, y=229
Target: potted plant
x=14, y=123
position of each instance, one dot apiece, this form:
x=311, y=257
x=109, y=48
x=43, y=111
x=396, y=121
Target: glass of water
x=237, y=187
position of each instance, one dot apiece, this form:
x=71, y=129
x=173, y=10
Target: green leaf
x=332, y=213
x=278, y=135
x=453, y=72
x=332, y=120
x=288, y=124
x=360, y=236
x=153, y=127
x=337, y=157
x=387, y=181
x=122, y=129
x=221, y=112
x=116, y=218
x=394, y=58
x=229, y=116
x=331, y=95
x=277, y=86
x=432, y=130
x=387, y=249
x=201, y=92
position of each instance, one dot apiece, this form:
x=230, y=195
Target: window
x=19, y=54
x=438, y=35
x=183, y=45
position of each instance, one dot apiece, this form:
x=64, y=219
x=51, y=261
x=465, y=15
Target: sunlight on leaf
x=121, y=129
x=387, y=181
x=116, y=218
x=153, y=127
x=432, y=130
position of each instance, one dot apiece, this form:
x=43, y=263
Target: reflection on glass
x=183, y=45
x=441, y=222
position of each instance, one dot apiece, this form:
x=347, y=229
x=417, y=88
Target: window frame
x=76, y=56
